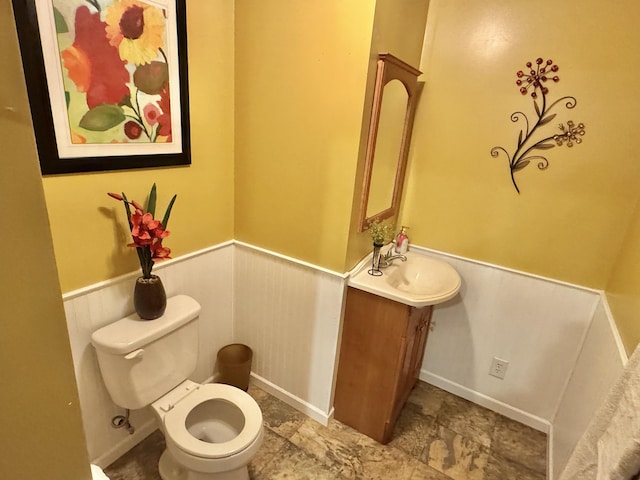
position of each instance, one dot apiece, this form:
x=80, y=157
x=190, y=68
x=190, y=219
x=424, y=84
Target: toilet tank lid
x=130, y=333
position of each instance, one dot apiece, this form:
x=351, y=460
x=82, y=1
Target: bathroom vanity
x=383, y=344
x=384, y=334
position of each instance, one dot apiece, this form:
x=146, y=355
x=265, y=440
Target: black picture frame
x=40, y=104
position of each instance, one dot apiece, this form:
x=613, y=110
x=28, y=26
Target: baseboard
x=291, y=400
x=497, y=406
x=142, y=432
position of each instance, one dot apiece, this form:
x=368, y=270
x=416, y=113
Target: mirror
x=394, y=100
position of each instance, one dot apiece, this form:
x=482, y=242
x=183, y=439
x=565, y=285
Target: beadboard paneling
x=206, y=276
x=537, y=325
x=600, y=362
x=290, y=315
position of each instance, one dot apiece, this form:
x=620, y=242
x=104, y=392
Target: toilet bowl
x=211, y=432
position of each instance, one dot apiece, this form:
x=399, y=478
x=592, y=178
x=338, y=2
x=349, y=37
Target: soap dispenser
x=402, y=241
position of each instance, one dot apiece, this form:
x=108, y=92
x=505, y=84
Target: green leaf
x=546, y=120
x=61, y=23
x=151, y=203
x=165, y=219
x=151, y=77
x=545, y=146
x=520, y=165
x=102, y=118
x=535, y=104
x=127, y=209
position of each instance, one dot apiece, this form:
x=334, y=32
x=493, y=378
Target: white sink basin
x=418, y=282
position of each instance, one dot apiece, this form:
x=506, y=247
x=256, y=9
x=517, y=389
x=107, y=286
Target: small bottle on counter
x=402, y=242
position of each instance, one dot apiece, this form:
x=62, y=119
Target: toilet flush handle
x=135, y=354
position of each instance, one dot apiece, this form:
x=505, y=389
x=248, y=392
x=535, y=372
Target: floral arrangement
x=116, y=70
x=533, y=81
x=380, y=232
x=147, y=232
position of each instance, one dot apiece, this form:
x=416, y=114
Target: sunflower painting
x=107, y=82
x=115, y=70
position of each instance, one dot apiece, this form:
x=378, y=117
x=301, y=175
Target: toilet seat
x=176, y=426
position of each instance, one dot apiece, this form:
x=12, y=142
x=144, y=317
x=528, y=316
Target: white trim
x=291, y=400
x=122, y=447
x=624, y=358
x=550, y=436
x=129, y=276
x=291, y=259
x=497, y=406
x=159, y=266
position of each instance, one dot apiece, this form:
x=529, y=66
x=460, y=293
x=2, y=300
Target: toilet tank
x=141, y=360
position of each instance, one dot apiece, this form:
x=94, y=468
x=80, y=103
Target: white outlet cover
x=498, y=367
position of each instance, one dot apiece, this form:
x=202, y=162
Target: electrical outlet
x=498, y=367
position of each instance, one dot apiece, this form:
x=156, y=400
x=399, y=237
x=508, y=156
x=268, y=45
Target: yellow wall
x=42, y=433
x=623, y=289
x=90, y=230
x=301, y=73
x=569, y=221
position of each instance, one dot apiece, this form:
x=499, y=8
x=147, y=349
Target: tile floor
x=438, y=437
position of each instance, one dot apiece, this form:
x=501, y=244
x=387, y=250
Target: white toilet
x=212, y=431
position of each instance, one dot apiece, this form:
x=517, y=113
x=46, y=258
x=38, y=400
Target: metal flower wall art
x=531, y=141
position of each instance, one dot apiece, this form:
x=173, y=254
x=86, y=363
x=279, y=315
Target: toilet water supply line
x=120, y=421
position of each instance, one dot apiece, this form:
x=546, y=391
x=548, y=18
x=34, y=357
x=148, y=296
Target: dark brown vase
x=149, y=297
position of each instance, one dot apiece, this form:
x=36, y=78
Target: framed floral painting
x=107, y=82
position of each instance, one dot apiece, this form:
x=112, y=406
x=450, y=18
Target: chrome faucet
x=389, y=257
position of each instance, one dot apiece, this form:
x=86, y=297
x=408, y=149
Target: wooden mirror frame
x=389, y=68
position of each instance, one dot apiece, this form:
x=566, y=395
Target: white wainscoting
x=290, y=312
x=600, y=362
x=537, y=325
x=205, y=276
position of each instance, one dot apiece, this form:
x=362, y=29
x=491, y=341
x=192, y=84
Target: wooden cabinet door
x=372, y=352
x=422, y=333
x=416, y=338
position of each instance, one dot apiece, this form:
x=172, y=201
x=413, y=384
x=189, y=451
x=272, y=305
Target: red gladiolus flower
x=147, y=232
x=143, y=226
x=158, y=251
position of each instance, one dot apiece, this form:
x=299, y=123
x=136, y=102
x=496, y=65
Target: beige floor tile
x=295, y=464
x=280, y=417
x=383, y=462
x=425, y=472
x=272, y=444
x=456, y=456
x=139, y=463
x=428, y=398
x=412, y=430
x=500, y=469
x=521, y=444
x=335, y=445
x=467, y=419
x=438, y=437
